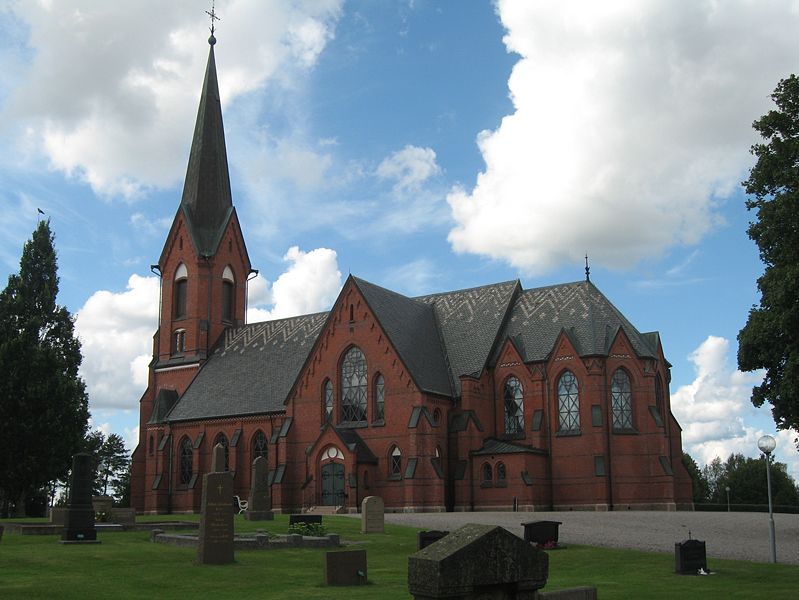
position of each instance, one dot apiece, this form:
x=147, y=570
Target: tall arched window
x=488, y=473
x=353, y=387
x=621, y=400
x=568, y=403
x=228, y=294
x=180, y=286
x=395, y=461
x=222, y=439
x=380, y=398
x=186, y=461
x=327, y=401
x=259, y=445
x=514, y=406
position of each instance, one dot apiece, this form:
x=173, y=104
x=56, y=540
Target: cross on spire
x=213, y=16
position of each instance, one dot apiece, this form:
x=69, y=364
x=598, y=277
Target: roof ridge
x=469, y=289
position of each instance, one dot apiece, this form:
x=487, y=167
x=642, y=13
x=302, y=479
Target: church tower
x=204, y=268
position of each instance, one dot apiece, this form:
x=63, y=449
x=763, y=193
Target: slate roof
x=207, y=201
x=251, y=370
x=495, y=446
x=439, y=337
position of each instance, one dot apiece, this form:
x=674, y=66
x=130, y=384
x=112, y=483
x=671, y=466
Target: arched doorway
x=332, y=468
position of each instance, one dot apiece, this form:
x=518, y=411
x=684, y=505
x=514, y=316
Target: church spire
x=206, y=192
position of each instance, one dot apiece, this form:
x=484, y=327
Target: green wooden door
x=333, y=484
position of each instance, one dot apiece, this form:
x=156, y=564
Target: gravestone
x=475, y=562
x=79, y=514
x=218, y=459
x=215, y=540
x=345, y=568
x=373, y=515
x=425, y=538
x=542, y=533
x=259, y=507
x=689, y=557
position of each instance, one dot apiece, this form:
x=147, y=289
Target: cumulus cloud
x=106, y=91
x=630, y=124
x=310, y=284
x=409, y=167
x=115, y=330
x=716, y=414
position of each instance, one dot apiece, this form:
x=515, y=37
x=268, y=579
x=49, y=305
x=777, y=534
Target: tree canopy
x=770, y=338
x=43, y=402
x=746, y=478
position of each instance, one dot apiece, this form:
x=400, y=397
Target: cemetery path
x=734, y=535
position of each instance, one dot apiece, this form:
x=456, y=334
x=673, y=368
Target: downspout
x=169, y=477
x=545, y=419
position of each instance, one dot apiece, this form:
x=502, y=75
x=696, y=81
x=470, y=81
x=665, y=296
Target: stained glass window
x=621, y=401
x=222, y=439
x=488, y=473
x=259, y=445
x=501, y=475
x=186, y=461
x=380, y=397
x=514, y=406
x=396, y=461
x=568, y=403
x=353, y=387
x=328, y=400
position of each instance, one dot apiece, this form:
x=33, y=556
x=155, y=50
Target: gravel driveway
x=735, y=535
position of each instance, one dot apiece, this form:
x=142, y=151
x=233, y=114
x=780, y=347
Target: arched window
x=259, y=445
x=179, y=341
x=186, y=461
x=501, y=474
x=353, y=387
x=621, y=400
x=228, y=294
x=514, y=406
x=395, y=461
x=179, y=295
x=659, y=394
x=222, y=439
x=488, y=474
x=380, y=398
x=568, y=403
x=437, y=416
x=327, y=400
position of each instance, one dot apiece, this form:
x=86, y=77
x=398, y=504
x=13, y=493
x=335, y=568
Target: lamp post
x=728, y=498
x=766, y=444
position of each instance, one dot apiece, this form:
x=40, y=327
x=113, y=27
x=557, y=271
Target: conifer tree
x=43, y=402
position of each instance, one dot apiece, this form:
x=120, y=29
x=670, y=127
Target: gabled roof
x=251, y=369
x=588, y=317
x=207, y=201
x=470, y=322
x=411, y=327
x=495, y=446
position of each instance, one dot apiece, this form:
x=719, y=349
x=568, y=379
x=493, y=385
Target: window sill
x=501, y=484
x=568, y=433
x=625, y=431
x=519, y=435
x=395, y=477
x=379, y=423
x=353, y=424
x=487, y=484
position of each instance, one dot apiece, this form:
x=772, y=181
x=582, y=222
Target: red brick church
x=487, y=398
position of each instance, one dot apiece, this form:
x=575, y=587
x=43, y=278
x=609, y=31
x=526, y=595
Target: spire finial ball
x=212, y=40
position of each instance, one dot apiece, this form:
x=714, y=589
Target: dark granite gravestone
x=218, y=459
x=345, y=568
x=689, y=557
x=79, y=515
x=373, y=515
x=475, y=562
x=542, y=533
x=215, y=540
x=259, y=507
x=425, y=538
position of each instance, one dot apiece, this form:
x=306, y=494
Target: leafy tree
x=770, y=338
x=700, y=485
x=113, y=459
x=43, y=403
x=746, y=478
x=122, y=488
x=715, y=476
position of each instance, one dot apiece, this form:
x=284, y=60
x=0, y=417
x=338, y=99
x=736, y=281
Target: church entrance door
x=333, y=484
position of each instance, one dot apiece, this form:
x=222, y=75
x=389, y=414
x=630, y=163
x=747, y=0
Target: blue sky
x=424, y=146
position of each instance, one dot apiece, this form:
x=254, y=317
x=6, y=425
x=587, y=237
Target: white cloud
x=409, y=167
x=310, y=284
x=107, y=86
x=716, y=413
x=115, y=330
x=630, y=124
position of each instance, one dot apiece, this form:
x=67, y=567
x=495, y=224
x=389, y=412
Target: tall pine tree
x=43, y=403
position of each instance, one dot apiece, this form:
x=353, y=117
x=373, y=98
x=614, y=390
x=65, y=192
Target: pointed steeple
x=206, y=193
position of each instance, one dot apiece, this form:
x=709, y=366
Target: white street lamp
x=766, y=444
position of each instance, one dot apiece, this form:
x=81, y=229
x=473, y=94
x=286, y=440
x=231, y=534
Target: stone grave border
x=256, y=541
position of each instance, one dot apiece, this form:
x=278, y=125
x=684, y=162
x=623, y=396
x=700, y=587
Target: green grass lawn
x=128, y=565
